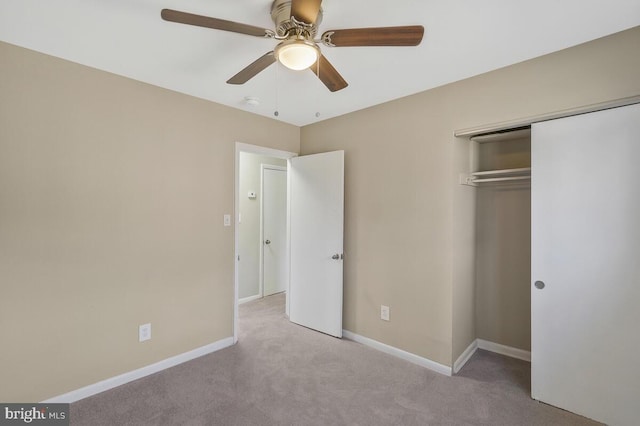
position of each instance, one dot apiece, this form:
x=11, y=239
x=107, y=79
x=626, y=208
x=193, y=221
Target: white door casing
x=274, y=276
x=316, y=215
x=585, y=249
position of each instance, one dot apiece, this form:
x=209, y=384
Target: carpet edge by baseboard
x=399, y=353
x=139, y=373
x=504, y=350
x=249, y=299
x=465, y=356
x=491, y=347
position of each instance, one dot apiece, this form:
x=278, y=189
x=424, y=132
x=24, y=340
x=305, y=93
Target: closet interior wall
x=503, y=243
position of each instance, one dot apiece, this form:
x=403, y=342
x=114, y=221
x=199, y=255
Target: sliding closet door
x=585, y=265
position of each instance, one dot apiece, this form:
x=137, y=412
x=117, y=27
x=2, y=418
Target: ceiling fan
x=296, y=25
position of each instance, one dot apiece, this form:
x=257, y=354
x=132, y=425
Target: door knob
x=335, y=256
x=267, y=242
x=539, y=285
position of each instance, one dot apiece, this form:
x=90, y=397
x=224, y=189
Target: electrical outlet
x=144, y=332
x=384, y=312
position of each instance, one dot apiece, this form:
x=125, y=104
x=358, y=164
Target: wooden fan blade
x=215, y=23
x=253, y=69
x=383, y=36
x=328, y=74
x=305, y=10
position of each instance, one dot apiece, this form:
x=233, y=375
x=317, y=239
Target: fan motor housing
x=281, y=15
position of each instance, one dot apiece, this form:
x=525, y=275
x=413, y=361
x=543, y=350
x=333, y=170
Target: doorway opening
x=260, y=267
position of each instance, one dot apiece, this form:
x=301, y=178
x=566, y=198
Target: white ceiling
x=462, y=38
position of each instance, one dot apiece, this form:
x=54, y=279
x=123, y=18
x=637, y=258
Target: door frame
x=261, y=259
x=251, y=149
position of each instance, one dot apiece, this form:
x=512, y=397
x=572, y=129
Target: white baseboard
x=492, y=347
x=248, y=299
x=407, y=356
x=465, y=356
x=122, y=379
x=504, y=350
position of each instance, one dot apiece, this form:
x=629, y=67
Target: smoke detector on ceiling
x=251, y=101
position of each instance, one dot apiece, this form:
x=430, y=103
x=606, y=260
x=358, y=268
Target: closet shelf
x=474, y=178
x=523, y=171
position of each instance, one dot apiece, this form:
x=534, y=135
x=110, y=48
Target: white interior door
x=274, y=230
x=316, y=197
x=585, y=249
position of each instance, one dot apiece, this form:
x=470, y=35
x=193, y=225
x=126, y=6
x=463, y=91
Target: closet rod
x=501, y=179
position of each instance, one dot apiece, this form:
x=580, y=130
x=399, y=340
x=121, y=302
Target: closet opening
x=501, y=172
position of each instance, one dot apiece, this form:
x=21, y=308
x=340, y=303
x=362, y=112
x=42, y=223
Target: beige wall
x=249, y=229
x=463, y=263
x=409, y=225
x=503, y=265
x=398, y=219
x=112, y=195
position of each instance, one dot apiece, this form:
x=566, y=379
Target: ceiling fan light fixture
x=297, y=54
x=296, y=26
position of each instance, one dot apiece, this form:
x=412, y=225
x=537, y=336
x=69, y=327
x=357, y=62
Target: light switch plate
x=384, y=312
x=227, y=220
x=144, y=332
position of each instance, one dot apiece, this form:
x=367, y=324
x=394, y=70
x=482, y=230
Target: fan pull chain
x=276, y=113
x=318, y=93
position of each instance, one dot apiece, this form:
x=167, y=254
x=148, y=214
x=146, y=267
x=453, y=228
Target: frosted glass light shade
x=297, y=54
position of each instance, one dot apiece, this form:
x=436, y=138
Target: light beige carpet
x=283, y=374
